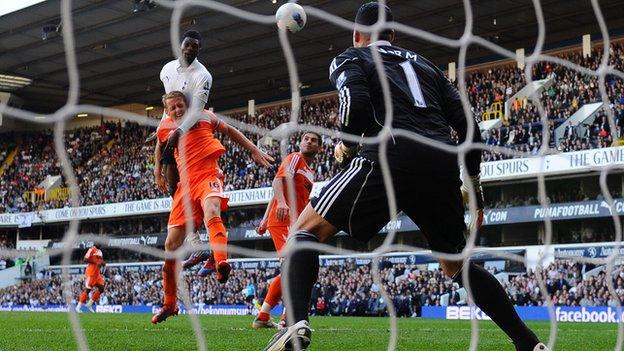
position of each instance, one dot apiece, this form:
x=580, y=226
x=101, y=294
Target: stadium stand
x=113, y=164
x=5, y=243
x=569, y=91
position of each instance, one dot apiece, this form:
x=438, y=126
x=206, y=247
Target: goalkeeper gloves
x=475, y=222
x=344, y=154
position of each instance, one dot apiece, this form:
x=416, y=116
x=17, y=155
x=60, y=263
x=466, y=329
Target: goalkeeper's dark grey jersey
x=423, y=101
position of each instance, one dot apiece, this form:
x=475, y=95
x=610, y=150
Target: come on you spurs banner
x=565, y=163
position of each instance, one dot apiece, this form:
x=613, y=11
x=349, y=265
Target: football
x=291, y=17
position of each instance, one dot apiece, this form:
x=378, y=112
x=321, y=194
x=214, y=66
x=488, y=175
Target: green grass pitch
x=52, y=331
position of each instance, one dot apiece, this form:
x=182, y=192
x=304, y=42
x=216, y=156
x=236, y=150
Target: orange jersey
x=94, y=260
x=293, y=166
x=201, y=148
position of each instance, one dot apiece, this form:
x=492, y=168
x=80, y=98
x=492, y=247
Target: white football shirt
x=193, y=81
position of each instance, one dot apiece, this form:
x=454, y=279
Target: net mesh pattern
x=71, y=108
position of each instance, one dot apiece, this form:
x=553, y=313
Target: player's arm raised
x=259, y=156
x=355, y=112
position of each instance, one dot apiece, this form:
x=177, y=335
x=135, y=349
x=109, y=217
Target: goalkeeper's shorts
x=356, y=202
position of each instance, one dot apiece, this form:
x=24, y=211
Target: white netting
x=71, y=108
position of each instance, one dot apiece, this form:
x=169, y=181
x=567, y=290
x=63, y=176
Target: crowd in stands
x=242, y=173
x=552, y=197
x=341, y=290
x=569, y=91
x=121, y=172
x=37, y=159
x=113, y=163
x=5, y=244
x=565, y=284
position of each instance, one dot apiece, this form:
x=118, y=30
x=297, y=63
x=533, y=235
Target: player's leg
x=274, y=294
x=353, y=201
x=84, y=294
x=95, y=297
x=198, y=256
x=170, y=171
x=217, y=236
x=175, y=239
x=438, y=211
x=301, y=270
x=490, y=296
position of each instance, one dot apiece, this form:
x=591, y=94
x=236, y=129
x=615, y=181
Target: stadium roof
x=120, y=53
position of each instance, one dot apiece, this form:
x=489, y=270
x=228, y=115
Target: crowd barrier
x=530, y=313
x=214, y=310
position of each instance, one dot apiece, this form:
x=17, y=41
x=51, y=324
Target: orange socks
x=96, y=296
x=83, y=297
x=272, y=298
x=218, y=239
x=275, y=292
x=169, y=282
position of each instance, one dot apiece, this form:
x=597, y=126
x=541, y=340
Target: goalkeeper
x=425, y=179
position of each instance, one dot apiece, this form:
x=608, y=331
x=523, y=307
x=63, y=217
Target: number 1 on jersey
x=414, y=84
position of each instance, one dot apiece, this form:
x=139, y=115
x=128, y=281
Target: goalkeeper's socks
x=490, y=296
x=302, y=268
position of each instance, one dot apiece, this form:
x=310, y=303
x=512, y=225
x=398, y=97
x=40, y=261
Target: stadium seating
x=5, y=244
x=564, y=282
x=570, y=91
x=113, y=164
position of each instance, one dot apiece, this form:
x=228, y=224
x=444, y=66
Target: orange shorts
x=201, y=188
x=279, y=234
x=92, y=281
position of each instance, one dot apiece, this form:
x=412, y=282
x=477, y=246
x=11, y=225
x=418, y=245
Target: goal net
x=600, y=75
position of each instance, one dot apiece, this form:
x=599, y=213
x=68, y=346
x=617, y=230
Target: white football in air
x=291, y=17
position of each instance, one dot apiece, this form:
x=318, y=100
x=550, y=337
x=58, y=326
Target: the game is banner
x=535, y=313
x=126, y=209
x=564, y=163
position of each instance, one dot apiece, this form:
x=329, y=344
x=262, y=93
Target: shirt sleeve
x=215, y=122
x=88, y=255
x=162, y=74
x=196, y=105
x=288, y=167
x=165, y=127
x=355, y=112
x=202, y=90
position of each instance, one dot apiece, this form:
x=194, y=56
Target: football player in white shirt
x=188, y=75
